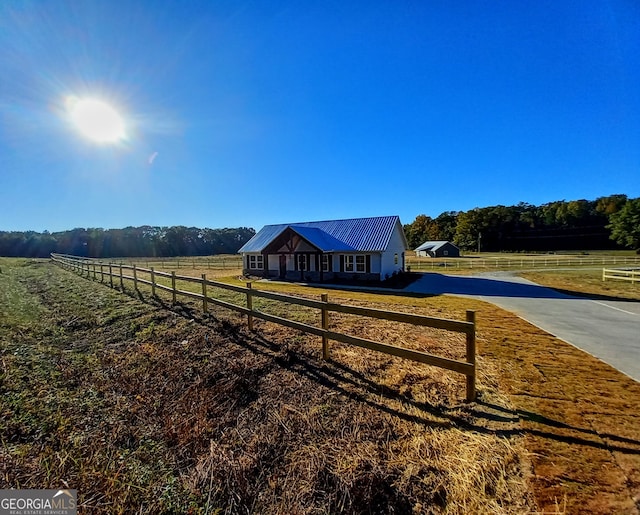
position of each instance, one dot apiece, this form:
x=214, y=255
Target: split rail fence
x=622, y=274
x=115, y=273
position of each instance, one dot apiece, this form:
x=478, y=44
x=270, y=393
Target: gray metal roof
x=432, y=245
x=352, y=235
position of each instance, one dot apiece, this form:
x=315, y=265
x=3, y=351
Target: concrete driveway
x=607, y=329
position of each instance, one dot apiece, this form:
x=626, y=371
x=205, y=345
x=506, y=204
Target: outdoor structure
x=437, y=249
x=369, y=249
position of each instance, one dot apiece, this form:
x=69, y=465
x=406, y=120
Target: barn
x=369, y=249
x=437, y=249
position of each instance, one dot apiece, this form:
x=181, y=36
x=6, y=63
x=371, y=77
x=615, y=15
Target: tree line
x=145, y=241
x=610, y=222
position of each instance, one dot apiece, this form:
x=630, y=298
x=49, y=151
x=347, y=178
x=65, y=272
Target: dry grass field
x=578, y=415
x=154, y=408
x=148, y=409
x=586, y=281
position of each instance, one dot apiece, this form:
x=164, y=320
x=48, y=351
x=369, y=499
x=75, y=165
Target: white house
x=368, y=249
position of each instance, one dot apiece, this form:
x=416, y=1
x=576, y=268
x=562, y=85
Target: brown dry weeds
x=148, y=409
x=578, y=414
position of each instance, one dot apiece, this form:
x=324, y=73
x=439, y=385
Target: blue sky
x=273, y=111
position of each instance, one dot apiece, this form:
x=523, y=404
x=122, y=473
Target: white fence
x=621, y=274
x=417, y=264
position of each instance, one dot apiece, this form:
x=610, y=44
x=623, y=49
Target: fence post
x=173, y=285
x=153, y=282
x=111, y=275
x=471, y=356
x=604, y=276
x=135, y=278
x=94, y=271
x=101, y=273
x=325, y=325
x=204, y=293
x=121, y=283
x=249, y=307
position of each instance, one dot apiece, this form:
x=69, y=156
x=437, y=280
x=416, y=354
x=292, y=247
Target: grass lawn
x=148, y=407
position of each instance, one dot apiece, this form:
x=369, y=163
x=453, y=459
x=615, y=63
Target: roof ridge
x=334, y=220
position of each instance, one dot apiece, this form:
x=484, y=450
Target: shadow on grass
x=530, y=416
x=440, y=284
x=433, y=284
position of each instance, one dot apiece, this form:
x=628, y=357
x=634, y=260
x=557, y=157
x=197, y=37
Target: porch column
x=265, y=265
x=319, y=264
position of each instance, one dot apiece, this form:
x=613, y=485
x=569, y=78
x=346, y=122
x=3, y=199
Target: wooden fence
x=219, y=262
x=621, y=274
x=111, y=272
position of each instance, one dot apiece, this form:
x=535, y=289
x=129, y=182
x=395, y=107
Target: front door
x=283, y=266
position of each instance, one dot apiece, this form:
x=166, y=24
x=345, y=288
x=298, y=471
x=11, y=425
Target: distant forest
x=130, y=242
x=611, y=222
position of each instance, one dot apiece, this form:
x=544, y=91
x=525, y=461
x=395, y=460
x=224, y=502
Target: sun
x=96, y=120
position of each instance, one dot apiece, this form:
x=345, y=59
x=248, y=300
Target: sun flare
x=96, y=120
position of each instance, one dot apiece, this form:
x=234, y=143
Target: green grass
x=54, y=396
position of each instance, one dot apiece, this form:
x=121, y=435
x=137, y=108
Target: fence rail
x=114, y=272
x=622, y=274
x=419, y=263
x=218, y=262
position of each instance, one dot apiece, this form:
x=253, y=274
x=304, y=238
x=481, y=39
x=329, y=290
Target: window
x=355, y=263
x=445, y=252
x=302, y=262
x=395, y=258
x=348, y=263
x=325, y=262
x=256, y=262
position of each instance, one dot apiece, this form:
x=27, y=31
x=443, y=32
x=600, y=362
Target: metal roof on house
x=432, y=245
x=352, y=235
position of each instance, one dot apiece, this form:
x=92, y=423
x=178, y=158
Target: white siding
x=396, y=246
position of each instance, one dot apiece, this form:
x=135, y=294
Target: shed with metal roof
x=437, y=249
